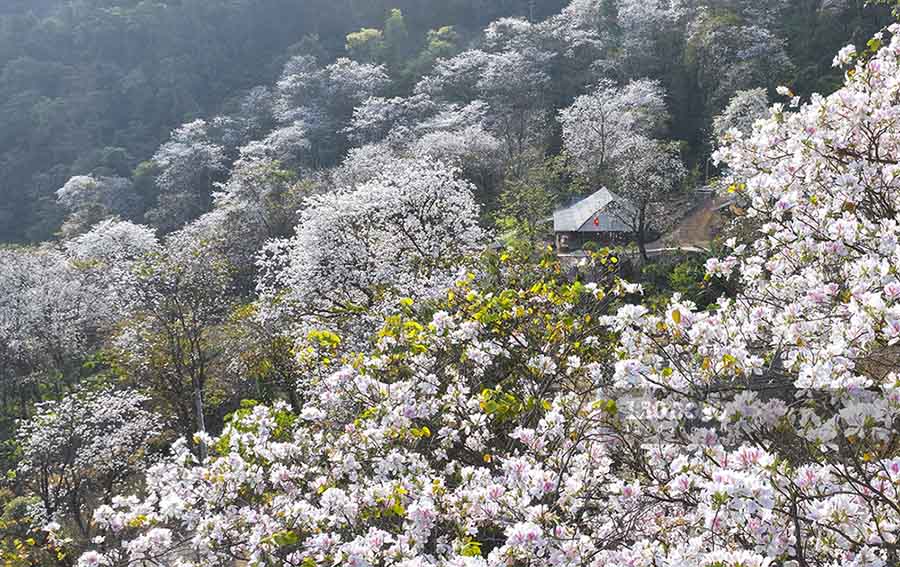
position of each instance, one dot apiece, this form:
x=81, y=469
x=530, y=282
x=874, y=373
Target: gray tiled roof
x=608, y=208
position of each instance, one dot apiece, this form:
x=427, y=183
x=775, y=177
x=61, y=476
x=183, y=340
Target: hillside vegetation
x=278, y=288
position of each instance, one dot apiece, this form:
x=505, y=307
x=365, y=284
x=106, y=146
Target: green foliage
x=527, y=203
x=21, y=545
x=284, y=425
x=505, y=406
x=686, y=278
x=443, y=41
x=684, y=275
x=396, y=38
x=366, y=44
x=285, y=538
x=470, y=548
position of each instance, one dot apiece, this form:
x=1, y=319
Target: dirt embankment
x=698, y=227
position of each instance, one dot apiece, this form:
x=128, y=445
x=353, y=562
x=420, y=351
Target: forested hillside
x=284, y=283
x=94, y=86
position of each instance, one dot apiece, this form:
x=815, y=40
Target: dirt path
x=697, y=229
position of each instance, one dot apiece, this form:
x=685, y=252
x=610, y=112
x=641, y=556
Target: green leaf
x=471, y=548
x=285, y=538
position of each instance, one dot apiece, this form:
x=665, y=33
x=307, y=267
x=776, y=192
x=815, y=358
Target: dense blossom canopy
x=599, y=126
x=402, y=233
x=327, y=326
x=90, y=442
x=506, y=429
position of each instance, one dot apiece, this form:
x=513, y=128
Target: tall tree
x=598, y=127
x=401, y=233
x=646, y=177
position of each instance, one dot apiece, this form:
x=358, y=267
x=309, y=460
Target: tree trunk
x=198, y=410
x=642, y=235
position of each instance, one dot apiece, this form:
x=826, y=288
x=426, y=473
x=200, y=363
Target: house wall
x=570, y=241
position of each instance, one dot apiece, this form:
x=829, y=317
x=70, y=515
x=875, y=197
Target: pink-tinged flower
x=892, y=291
x=90, y=559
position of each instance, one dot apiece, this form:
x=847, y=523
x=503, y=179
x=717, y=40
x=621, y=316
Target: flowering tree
x=178, y=296
x=515, y=423
x=744, y=108
x=288, y=144
x=472, y=148
x=89, y=200
x=56, y=307
x=647, y=174
x=581, y=23
x=48, y=315
x=651, y=33
x=259, y=201
x=445, y=131
x=105, y=258
x=514, y=84
x=400, y=234
x=78, y=452
x=455, y=79
x=256, y=112
x=262, y=191
x=189, y=164
x=598, y=125
x=111, y=243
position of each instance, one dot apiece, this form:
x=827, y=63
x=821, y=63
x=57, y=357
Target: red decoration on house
x=596, y=221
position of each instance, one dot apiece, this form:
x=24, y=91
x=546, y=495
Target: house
x=603, y=217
